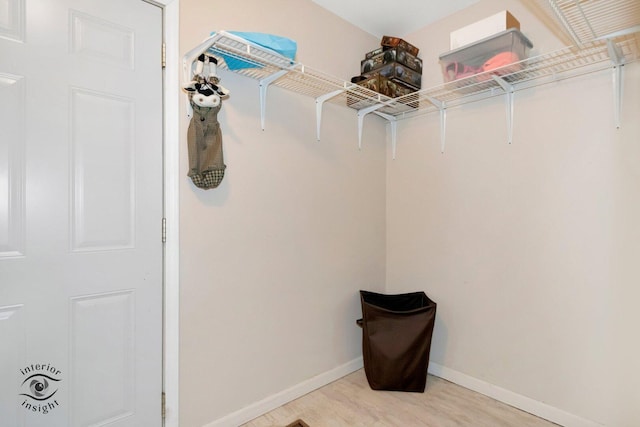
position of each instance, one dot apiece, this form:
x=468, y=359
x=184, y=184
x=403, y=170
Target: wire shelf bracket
x=393, y=125
x=264, y=85
x=361, y=113
x=442, y=107
x=618, y=63
x=319, y=104
x=508, y=98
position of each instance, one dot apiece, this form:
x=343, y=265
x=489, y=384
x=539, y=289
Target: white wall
x=530, y=249
x=272, y=260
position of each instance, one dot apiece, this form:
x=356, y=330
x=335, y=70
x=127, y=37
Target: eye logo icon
x=39, y=387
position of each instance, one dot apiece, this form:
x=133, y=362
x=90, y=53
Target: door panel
x=103, y=367
x=101, y=40
x=12, y=98
x=80, y=213
x=102, y=171
x=12, y=20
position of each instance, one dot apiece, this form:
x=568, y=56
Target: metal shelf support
x=393, y=123
x=319, y=103
x=618, y=62
x=361, y=113
x=508, y=100
x=264, y=85
x=442, y=107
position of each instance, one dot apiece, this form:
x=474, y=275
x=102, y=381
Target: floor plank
x=349, y=402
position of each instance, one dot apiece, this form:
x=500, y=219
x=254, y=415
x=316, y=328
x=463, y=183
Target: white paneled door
x=80, y=213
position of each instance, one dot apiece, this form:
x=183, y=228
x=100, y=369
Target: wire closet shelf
x=606, y=33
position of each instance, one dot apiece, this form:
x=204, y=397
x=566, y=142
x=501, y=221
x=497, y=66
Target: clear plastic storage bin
x=487, y=54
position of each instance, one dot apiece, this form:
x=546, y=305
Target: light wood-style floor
x=349, y=402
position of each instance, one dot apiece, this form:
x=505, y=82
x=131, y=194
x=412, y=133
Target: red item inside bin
x=498, y=61
x=458, y=70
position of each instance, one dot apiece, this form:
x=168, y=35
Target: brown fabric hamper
x=396, y=339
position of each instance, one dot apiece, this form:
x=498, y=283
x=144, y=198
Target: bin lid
x=487, y=43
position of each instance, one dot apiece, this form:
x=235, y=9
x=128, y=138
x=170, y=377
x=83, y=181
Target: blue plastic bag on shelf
x=281, y=45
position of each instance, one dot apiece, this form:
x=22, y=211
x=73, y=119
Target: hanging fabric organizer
x=600, y=45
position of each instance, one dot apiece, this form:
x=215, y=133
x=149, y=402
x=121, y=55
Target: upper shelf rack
x=606, y=32
x=600, y=19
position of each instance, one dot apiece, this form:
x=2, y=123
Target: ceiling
x=393, y=17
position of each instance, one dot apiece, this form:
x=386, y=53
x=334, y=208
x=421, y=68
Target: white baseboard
x=524, y=403
x=272, y=402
